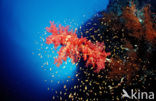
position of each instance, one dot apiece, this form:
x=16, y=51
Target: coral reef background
x=123, y=36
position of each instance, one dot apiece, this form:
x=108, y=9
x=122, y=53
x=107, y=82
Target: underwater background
x=22, y=23
x=27, y=68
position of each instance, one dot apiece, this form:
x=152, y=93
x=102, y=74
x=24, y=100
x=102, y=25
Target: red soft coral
x=76, y=48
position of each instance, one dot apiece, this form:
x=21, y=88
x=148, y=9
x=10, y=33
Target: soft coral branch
x=139, y=30
x=149, y=25
x=76, y=48
x=132, y=22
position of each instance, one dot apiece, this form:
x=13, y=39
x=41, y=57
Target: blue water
x=21, y=24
